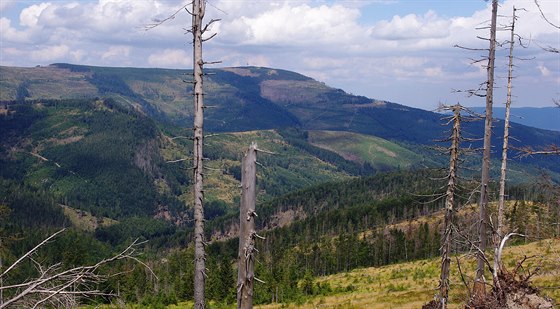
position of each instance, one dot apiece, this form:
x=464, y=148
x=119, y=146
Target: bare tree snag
x=198, y=8
x=247, y=233
x=479, y=285
x=60, y=288
x=500, y=230
x=449, y=202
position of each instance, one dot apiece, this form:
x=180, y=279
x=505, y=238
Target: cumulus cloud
x=412, y=27
x=50, y=53
x=113, y=52
x=30, y=15
x=299, y=24
x=170, y=58
x=331, y=40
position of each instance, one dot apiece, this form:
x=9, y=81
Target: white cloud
x=543, y=69
x=116, y=52
x=50, y=53
x=294, y=25
x=30, y=15
x=412, y=27
x=330, y=40
x=171, y=58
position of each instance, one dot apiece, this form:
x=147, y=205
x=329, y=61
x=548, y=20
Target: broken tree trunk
x=449, y=202
x=247, y=234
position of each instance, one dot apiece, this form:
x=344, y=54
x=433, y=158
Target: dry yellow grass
x=84, y=220
x=410, y=285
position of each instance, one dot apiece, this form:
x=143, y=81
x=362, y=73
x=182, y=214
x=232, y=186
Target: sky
x=398, y=51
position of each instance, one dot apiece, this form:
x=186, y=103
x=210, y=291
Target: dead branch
x=56, y=286
x=544, y=16
x=157, y=22
x=502, y=245
x=179, y=160
x=529, y=151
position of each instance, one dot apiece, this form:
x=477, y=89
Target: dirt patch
x=290, y=91
x=372, y=104
x=242, y=72
x=231, y=232
x=383, y=150
x=65, y=141
x=346, y=155
x=286, y=217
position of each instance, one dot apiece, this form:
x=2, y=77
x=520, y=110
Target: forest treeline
x=104, y=157
x=379, y=230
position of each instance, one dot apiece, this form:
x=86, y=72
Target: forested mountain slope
x=251, y=98
x=107, y=158
x=341, y=183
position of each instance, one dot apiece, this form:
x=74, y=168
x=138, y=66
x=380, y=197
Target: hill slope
x=246, y=98
x=106, y=158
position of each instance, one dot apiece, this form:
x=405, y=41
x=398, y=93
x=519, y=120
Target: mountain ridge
x=547, y=118
x=254, y=98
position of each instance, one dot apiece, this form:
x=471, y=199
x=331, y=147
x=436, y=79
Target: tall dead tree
x=198, y=30
x=479, y=285
x=500, y=230
x=449, y=205
x=198, y=8
x=247, y=233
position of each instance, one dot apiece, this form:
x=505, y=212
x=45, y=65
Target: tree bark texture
x=247, y=234
x=449, y=204
x=480, y=288
x=198, y=8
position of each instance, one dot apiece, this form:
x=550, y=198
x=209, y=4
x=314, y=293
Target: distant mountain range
x=346, y=181
x=123, y=123
x=539, y=117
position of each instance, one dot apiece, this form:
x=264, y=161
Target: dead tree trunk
x=479, y=285
x=449, y=202
x=198, y=7
x=247, y=234
x=500, y=232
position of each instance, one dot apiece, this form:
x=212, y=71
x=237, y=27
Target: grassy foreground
x=410, y=285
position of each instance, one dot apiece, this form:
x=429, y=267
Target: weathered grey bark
x=449, y=202
x=500, y=231
x=479, y=288
x=247, y=234
x=198, y=7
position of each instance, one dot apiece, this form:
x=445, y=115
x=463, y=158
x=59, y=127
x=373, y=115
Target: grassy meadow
x=410, y=285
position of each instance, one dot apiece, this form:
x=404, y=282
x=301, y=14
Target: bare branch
x=56, y=286
x=544, y=16
x=30, y=252
x=157, y=22
x=179, y=160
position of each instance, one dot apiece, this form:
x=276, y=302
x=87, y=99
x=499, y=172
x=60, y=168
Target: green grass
x=380, y=153
x=84, y=220
x=410, y=285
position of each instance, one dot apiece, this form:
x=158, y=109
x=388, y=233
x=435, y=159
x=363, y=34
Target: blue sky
x=399, y=51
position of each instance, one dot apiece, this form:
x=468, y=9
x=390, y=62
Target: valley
x=344, y=183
